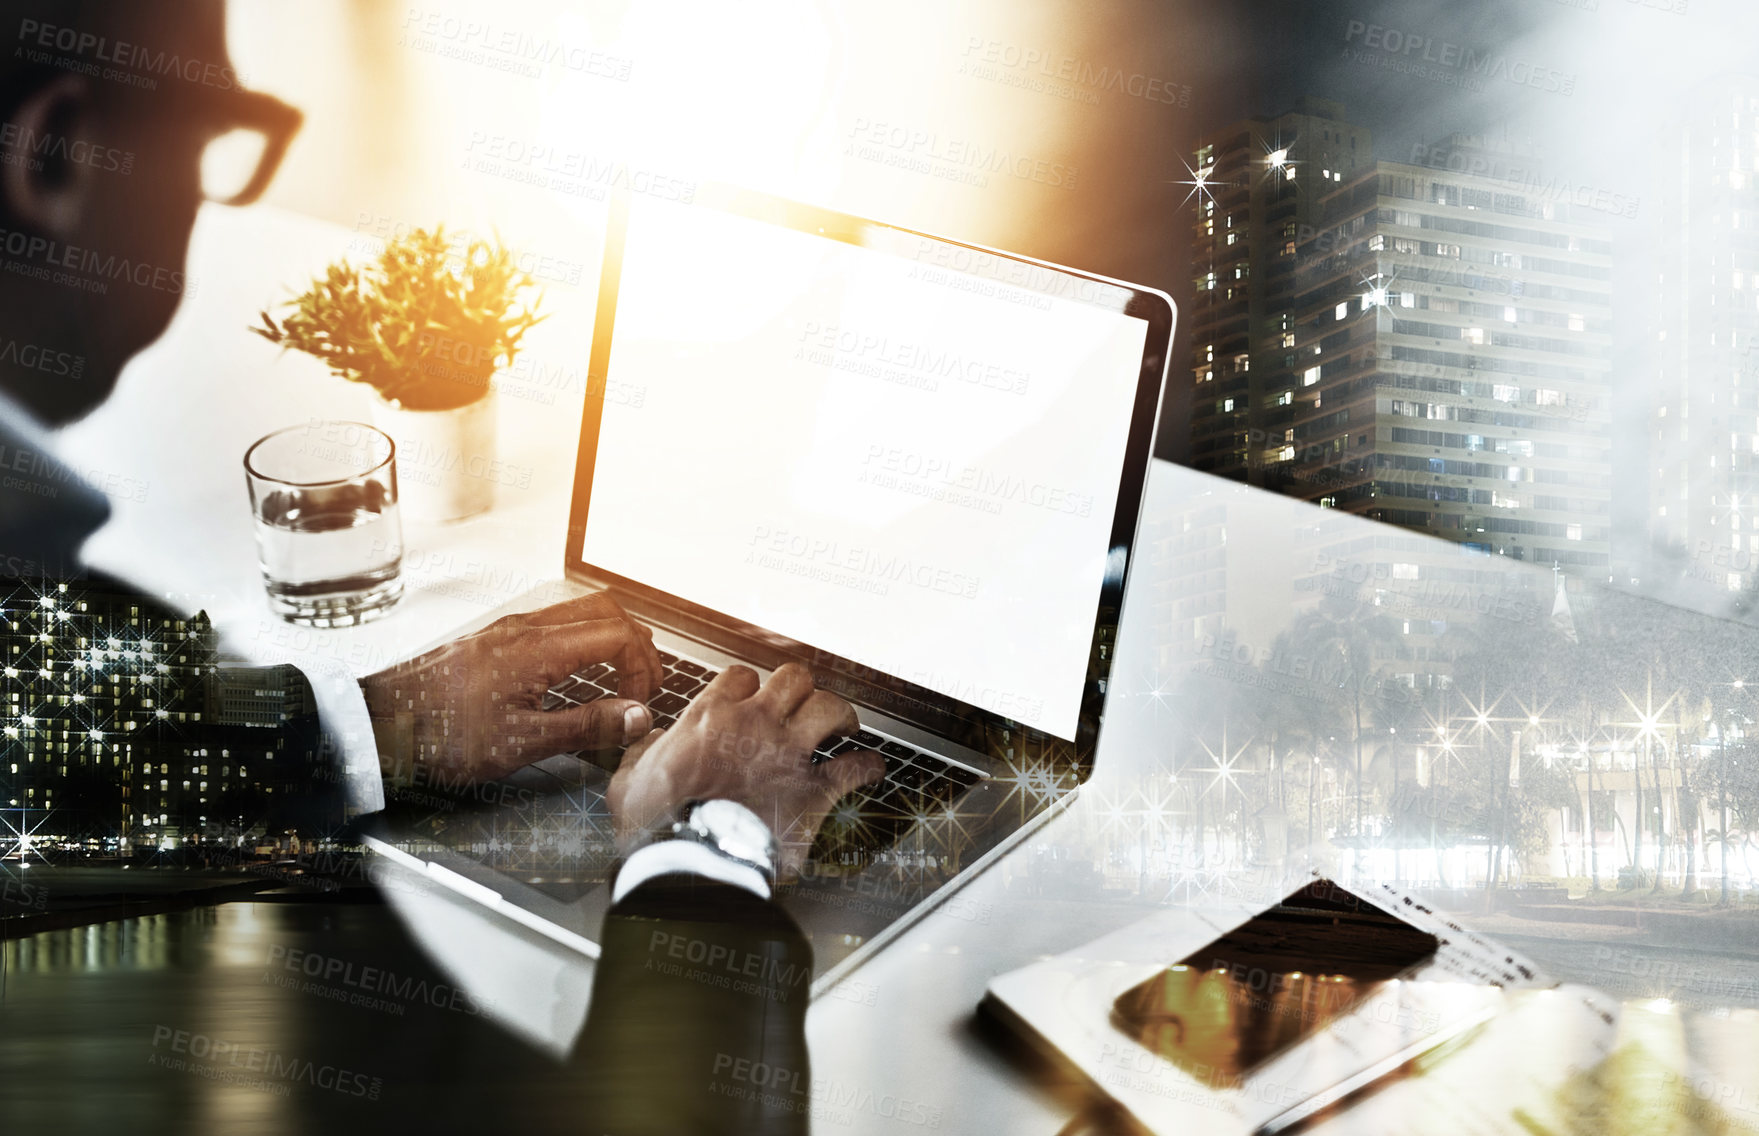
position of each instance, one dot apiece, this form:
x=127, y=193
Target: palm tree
x=1528, y=673
x=1689, y=723
x=1401, y=712
x=1344, y=634
x=1710, y=673
x=1738, y=786
x=1212, y=709
x=1296, y=715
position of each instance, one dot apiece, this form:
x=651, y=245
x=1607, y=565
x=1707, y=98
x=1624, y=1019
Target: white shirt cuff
x=348, y=729
x=667, y=857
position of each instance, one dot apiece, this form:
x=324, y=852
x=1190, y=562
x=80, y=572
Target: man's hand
x=752, y=744
x=472, y=709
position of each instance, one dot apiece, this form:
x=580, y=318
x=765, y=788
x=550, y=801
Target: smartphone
x=1271, y=982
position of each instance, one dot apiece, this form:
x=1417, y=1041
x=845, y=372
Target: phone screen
x=1280, y=977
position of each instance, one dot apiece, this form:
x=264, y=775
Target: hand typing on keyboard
x=474, y=709
x=751, y=743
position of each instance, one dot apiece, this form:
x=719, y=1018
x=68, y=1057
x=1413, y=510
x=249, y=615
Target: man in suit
x=106, y=109
x=712, y=813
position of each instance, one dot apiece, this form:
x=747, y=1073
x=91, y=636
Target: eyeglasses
x=249, y=135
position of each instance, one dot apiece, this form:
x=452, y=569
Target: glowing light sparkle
x=1199, y=183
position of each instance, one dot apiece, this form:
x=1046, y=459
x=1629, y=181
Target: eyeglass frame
x=236, y=108
x=277, y=121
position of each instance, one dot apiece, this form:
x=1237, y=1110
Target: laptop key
x=940, y=792
x=564, y=693
x=833, y=747
x=664, y=721
x=896, y=749
x=681, y=684
x=863, y=738
x=592, y=673
x=883, y=801
x=668, y=703
x=696, y=670
x=962, y=777
x=669, y=659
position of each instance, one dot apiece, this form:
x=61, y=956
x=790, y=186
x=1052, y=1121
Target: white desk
x=188, y=408
x=900, y=1027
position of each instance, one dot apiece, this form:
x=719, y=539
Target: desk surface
x=189, y=406
x=1202, y=702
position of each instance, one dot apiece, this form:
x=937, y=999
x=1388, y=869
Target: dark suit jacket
x=699, y=1000
x=698, y=1019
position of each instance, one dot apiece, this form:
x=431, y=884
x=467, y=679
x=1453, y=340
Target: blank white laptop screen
x=907, y=466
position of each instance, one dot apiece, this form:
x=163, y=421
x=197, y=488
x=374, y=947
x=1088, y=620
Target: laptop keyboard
x=683, y=681
x=917, y=785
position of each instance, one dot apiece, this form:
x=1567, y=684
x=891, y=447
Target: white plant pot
x=443, y=458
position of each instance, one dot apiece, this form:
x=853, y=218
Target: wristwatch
x=731, y=831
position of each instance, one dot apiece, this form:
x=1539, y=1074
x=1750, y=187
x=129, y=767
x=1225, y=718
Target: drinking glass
x=329, y=540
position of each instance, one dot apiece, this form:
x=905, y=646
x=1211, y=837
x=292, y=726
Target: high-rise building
x=257, y=696
x=94, y=683
x=1452, y=359
x=1704, y=501
x=120, y=730
x=1220, y=582
x=1259, y=187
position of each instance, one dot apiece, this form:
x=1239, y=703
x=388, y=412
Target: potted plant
x=426, y=326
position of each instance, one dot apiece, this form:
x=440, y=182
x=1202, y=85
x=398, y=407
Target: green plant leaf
x=426, y=324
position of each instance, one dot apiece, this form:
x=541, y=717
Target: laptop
x=911, y=464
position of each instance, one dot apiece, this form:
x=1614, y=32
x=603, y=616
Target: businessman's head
x=107, y=108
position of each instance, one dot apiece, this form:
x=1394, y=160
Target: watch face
x=735, y=828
